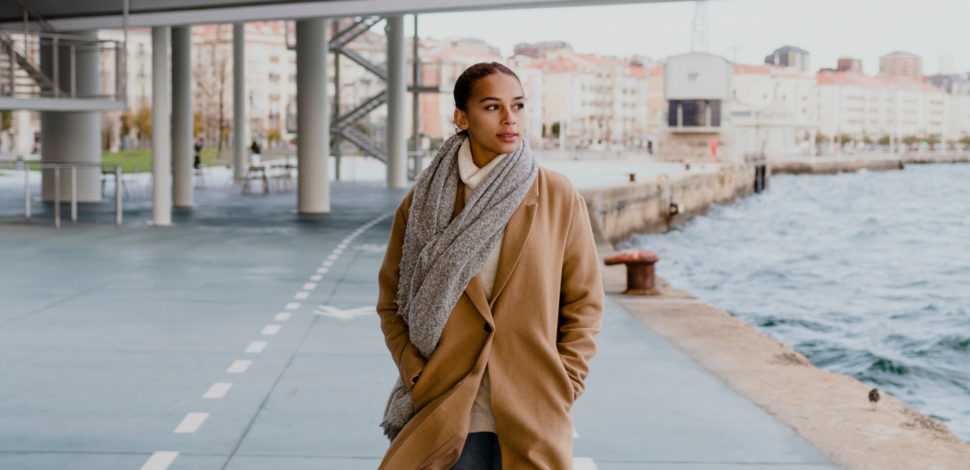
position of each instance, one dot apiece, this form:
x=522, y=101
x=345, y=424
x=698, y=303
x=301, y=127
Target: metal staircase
x=24, y=84
x=19, y=76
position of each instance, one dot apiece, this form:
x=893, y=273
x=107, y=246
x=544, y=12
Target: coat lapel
x=474, y=290
x=513, y=241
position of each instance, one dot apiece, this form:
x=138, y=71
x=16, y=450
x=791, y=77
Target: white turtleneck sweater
x=471, y=175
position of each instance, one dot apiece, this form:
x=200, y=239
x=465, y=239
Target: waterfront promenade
x=244, y=337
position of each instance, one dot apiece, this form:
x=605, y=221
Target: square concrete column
x=161, y=130
x=182, y=120
x=312, y=117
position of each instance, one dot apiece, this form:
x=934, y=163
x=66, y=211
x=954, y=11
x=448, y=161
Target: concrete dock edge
x=831, y=411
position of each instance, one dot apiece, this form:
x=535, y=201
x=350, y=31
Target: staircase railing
x=21, y=75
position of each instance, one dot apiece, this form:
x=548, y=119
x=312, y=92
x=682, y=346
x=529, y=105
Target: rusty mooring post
x=639, y=270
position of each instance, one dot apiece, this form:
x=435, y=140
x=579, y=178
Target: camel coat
x=536, y=336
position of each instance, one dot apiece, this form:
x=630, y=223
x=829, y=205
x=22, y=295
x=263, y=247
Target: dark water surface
x=866, y=274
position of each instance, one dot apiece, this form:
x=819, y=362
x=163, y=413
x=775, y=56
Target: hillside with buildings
x=577, y=100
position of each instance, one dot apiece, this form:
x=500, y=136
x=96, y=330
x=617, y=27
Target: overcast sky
x=746, y=29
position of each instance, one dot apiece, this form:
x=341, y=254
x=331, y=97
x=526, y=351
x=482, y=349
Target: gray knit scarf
x=441, y=255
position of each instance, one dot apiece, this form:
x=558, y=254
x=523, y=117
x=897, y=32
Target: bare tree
x=211, y=76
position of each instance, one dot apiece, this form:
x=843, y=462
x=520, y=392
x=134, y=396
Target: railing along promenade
x=72, y=167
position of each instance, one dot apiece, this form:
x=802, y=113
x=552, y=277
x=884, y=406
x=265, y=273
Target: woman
x=490, y=297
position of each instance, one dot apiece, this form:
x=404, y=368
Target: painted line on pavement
x=309, y=286
x=584, y=463
x=270, y=330
x=301, y=295
x=191, y=422
x=217, y=391
x=316, y=277
x=322, y=270
x=282, y=316
x=292, y=306
x=160, y=460
x=256, y=347
x=239, y=366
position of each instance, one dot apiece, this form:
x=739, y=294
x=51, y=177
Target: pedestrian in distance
x=197, y=158
x=490, y=296
x=256, y=152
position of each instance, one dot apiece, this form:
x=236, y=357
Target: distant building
x=696, y=87
x=901, y=64
x=947, y=65
x=541, y=50
x=957, y=87
x=442, y=61
x=789, y=56
x=864, y=107
x=773, y=111
x=849, y=64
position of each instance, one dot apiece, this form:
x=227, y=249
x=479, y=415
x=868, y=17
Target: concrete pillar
x=240, y=153
x=397, y=154
x=72, y=136
x=182, y=121
x=161, y=130
x=312, y=117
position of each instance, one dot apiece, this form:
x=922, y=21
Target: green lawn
x=140, y=161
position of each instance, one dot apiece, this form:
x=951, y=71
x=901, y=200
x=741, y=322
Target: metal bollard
x=57, y=197
x=639, y=270
x=73, y=194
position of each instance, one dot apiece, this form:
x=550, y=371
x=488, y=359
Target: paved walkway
x=243, y=337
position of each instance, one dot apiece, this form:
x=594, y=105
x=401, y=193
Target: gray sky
x=826, y=28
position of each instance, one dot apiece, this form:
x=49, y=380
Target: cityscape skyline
x=740, y=30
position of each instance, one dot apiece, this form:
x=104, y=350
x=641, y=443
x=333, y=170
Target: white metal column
x=397, y=163
x=240, y=153
x=182, y=124
x=312, y=117
x=161, y=130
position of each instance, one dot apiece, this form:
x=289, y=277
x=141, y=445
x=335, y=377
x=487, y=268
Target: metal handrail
x=26, y=165
x=22, y=51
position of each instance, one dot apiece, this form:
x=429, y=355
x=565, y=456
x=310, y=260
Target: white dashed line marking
x=292, y=306
x=160, y=460
x=239, y=366
x=316, y=277
x=256, y=347
x=301, y=295
x=270, y=330
x=328, y=263
x=575, y=434
x=191, y=423
x=322, y=270
x=583, y=463
x=282, y=316
x=217, y=391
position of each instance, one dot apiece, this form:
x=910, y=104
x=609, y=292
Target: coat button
x=488, y=328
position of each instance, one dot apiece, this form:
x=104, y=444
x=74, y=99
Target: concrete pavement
x=111, y=340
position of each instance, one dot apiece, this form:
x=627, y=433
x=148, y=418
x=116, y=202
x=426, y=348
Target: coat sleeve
x=406, y=356
x=581, y=297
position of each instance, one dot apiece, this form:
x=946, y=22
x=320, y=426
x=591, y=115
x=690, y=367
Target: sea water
x=867, y=274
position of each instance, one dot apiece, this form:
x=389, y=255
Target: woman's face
x=494, y=116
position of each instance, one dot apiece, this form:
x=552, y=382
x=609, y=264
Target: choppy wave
x=866, y=274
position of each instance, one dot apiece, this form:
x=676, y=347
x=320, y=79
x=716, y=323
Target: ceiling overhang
x=72, y=15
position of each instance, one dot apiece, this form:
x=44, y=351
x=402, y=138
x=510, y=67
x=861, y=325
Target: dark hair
x=466, y=81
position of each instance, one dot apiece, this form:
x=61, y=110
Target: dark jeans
x=481, y=452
